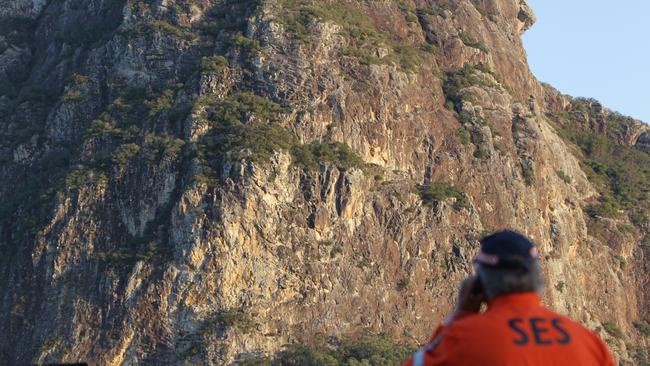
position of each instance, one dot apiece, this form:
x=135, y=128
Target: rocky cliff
x=205, y=181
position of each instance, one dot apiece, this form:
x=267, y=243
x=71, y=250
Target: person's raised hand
x=469, y=299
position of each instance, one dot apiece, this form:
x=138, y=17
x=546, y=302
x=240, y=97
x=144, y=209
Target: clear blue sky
x=596, y=48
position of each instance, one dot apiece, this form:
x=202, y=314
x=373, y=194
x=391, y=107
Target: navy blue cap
x=507, y=249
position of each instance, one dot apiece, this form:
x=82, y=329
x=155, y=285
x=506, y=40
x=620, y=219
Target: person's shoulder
x=469, y=318
x=576, y=327
x=478, y=334
x=588, y=337
x=469, y=322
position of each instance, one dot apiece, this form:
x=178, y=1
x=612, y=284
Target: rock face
x=203, y=181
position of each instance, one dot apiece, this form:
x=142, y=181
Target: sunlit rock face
x=202, y=182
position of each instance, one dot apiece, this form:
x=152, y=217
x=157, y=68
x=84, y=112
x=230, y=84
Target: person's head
x=508, y=263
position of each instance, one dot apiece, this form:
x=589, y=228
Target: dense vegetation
x=465, y=77
x=376, y=350
x=298, y=16
x=469, y=42
x=311, y=155
x=621, y=173
x=246, y=126
x=455, y=81
x=613, y=329
x=437, y=192
x=643, y=327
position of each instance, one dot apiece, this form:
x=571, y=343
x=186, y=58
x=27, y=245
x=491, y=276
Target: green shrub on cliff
x=427, y=11
x=411, y=18
x=234, y=318
x=124, y=153
x=336, y=251
x=82, y=176
x=407, y=57
x=364, y=350
x=214, y=64
x=142, y=248
x=160, y=103
x=241, y=107
x=469, y=42
x=440, y=191
x=295, y=355
x=621, y=173
x=103, y=127
x=457, y=80
x=375, y=349
x=162, y=147
x=643, y=327
x=562, y=175
x=463, y=135
x=430, y=48
x=297, y=19
x=403, y=283
x=298, y=15
x=249, y=46
x=73, y=96
x=228, y=16
x=79, y=79
x=481, y=153
x=244, y=125
x=166, y=27
x=528, y=172
x=311, y=155
x=613, y=329
x=606, y=207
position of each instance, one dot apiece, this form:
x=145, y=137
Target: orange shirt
x=515, y=330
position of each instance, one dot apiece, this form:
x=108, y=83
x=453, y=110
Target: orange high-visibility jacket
x=515, y=330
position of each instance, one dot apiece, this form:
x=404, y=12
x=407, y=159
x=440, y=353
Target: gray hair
x=499, y=282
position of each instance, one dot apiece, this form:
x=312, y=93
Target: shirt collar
x=520, y=298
